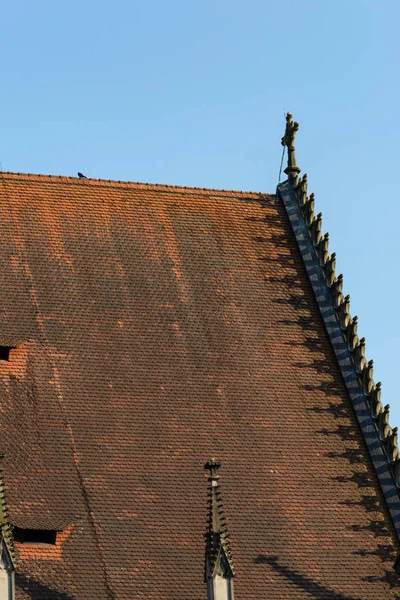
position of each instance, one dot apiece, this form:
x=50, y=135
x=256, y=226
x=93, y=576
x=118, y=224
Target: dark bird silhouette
x=81, y=176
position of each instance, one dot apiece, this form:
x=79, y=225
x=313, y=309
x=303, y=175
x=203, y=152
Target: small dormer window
x=47, y=537
x=5, y=353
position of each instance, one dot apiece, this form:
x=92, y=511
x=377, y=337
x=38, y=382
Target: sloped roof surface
x=154, y=327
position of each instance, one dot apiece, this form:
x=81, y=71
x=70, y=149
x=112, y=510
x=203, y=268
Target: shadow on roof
x=312, y=588
x=37, y=590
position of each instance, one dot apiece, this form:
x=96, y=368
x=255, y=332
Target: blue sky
x=194, y=93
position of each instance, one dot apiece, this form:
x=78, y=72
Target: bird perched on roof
x=81, y=176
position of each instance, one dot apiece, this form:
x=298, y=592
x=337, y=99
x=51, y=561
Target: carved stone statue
x=292, y=169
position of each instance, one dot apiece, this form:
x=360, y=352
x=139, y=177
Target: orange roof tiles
x=157, y=326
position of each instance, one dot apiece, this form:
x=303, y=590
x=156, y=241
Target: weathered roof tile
x=157, y=326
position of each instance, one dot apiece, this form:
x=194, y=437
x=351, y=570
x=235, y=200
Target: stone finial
x=323, y=249
x=337, y=291
x=308, y=209
x=352, y=334
x=344, y=313
x=316, y=230
x=384, y=428
x=367, y=377
x=301, y=191
x=392, y=445
x=292, y=170
x=359, y=356
x=218, y=551
x=375, y=401
x=329, y=268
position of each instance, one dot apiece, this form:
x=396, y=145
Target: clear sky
x=194, y=93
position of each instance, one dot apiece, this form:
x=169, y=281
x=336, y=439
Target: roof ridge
x=13, y=175
x=349, y=328
x=373, y=417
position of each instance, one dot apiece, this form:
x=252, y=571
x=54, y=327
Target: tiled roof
x=156, y=326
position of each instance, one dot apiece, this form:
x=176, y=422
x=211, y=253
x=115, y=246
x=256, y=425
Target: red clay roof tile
x=157, y=326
